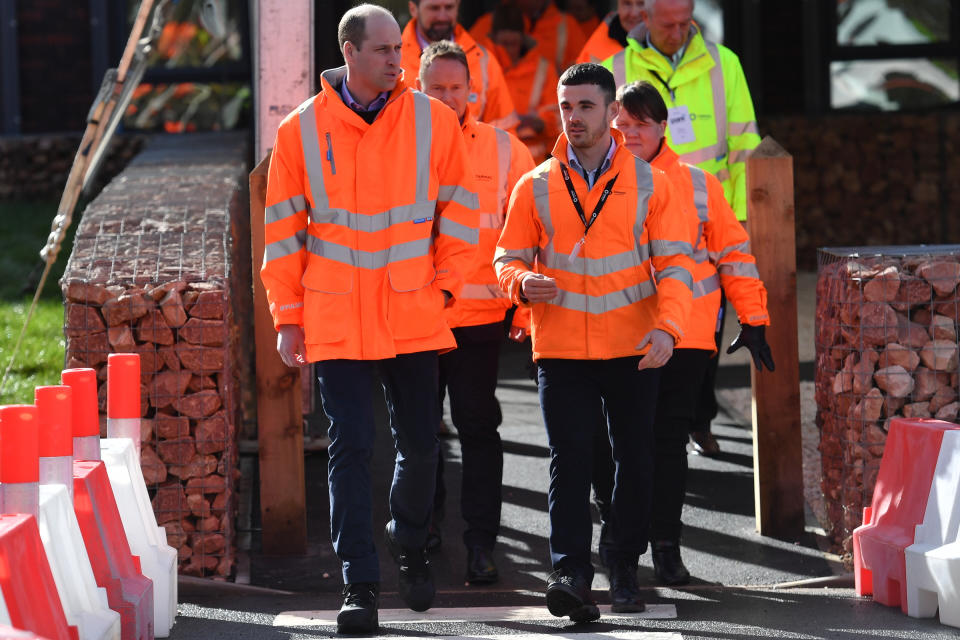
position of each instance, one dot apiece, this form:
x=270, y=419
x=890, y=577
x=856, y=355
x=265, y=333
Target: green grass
x=24, y=227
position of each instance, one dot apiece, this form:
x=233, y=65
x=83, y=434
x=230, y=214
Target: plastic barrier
x=933, y=560
x=128, y=591
x=899, y=499
x=31, y=603
x=85, y=415
x=19, y=459
x=84, y=603
x=9, y=633
x=158, y=560
x=123, y=397
x=54, y=407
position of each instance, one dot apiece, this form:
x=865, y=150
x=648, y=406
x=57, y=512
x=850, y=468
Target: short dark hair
x=642, y=101
x=353, y=24
x=591, y=73
x=446, y=50
x=507, y=17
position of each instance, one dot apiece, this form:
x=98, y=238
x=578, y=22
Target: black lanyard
x=666, y=86
x=576, y=200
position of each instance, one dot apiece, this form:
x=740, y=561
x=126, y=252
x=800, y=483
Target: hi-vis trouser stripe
x=536, y=92
x=423, y=207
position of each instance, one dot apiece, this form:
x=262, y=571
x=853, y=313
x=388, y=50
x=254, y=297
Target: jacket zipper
x=333, y=164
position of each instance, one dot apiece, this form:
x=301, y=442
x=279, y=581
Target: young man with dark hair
x=584, y=232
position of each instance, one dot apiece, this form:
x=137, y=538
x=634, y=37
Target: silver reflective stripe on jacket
x=701, y=202
x=706, y=286
x=503, y=256
x=740, y=128
x=620, y=68
x=287, y=208
x=285, y=247
x=456, y=193
x=719, y=96
x=561, y=42
x=481, y=292
x=503, y=170
x=603, y=303
x=368, y=259
x=675, y=273
x=484, y=79
x=742, y=269
x=743, y=247
x=424, y=135
x=538, y=81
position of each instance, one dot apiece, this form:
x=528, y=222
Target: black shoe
x=434, y=540
x=416, y=583
x=667, y=565
x=624, y=588
x=358, y=615
x=481, y=568
x=568, y=594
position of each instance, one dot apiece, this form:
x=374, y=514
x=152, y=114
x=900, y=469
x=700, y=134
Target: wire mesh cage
x=886, y=347
x=150, y=273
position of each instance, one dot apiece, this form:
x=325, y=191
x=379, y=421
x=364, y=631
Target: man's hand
x=290, y=345
x=661, y=348
x=537, y=287
x=754, y=339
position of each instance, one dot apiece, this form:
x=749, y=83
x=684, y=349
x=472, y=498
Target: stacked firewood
x=886, y=339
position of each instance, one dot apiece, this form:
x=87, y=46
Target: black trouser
x=469, y=374
x=680, y=380
x=573, y=393
x=706, y=401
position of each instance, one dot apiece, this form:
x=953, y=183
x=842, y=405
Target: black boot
x=481, y=569
x=416, y=586
x=568, y=594
x=667, y=564
x=624, y=588
x=358, y=615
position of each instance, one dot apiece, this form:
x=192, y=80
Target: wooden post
x=279, y=418
x=777, y=450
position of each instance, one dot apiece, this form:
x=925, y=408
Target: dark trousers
x=706, y=400
x=469, y=373
x=680, y=381
x=410, y=388
x=572, y=394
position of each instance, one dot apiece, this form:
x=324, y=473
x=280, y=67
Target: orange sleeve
x=670, y=238
x=285, y=226
x=519, y=241
x=729, y=247
x=457, y=219
x=499, y=110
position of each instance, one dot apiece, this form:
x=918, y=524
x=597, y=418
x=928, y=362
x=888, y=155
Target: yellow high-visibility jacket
x=709, y=81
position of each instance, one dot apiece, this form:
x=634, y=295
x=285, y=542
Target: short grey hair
x=353, y=24
x=648, y=5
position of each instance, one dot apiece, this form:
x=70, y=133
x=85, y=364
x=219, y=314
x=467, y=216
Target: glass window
x=876, y=22
x=913, y=83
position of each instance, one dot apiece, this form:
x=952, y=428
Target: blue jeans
x=572, y=394
x=410, y=389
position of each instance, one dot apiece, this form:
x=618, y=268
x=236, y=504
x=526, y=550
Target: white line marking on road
x=471, y=614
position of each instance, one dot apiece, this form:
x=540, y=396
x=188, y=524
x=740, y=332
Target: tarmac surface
x=745, y=585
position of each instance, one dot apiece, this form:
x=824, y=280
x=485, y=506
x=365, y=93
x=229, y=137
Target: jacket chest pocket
x=414, y=302
x=327, y=301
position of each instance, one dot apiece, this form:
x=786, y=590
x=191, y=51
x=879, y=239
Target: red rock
x=126, y=308
x=220, y=503
x=92, y=348
x=176, y=536
x=121, y=339
x=208, y=524
x=158, y=293
x=863, y=375
x=198, y=505
x=928, y=382
x=898, y=354
x=168, y=356
x=916, y=410
x=199, y=383
x=943, y=328
x=892, y=405
x=883, y=287
x=198, y=405
x=225, y=567
x=871, y=405
x=949, y=412
x=213, y=434
x=80, y=320
x=942, y=276
x=167, y=387
x=209, y=304
x=200, y=358
x=150, y=362
x=85, y=292
x=207, y=543
x=154, y=470
x=949, y=308
x=170, y=503
x=205, y=332
x=198, y=467
x=843, y=381
x=912, y=292
x=178, y=452
x=210, y=484
x=910, y=334
x=895, y=381
x=942, y=397
x=153, y=328
x=921, y=316
x=172, y=427
x=878, y=324
x=172, y=308
x=940, y=355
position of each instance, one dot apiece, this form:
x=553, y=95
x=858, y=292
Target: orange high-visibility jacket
x=368, y=224
x=489, y=97
x=608, y=298
x=533, y=88
x=601, y=45
x=558, y=34
x=498, y=160
x=722, y=253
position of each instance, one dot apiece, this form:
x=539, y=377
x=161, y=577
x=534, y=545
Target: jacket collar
x=665, y=158
x=330, y=81
x=696, y=48
x=620, y=155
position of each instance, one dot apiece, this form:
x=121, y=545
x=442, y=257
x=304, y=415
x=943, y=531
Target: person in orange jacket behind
x=610, y=37
x=371, y=229
x=722, y=254
x=585, y=233
x=470, y=371
x=434, y=20
x=531, y=79
x=558, y=34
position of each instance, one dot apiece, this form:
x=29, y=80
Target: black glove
x=754, y=339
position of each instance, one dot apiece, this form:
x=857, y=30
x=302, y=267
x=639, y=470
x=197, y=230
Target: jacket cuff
x=290, y=313
x=671, y=327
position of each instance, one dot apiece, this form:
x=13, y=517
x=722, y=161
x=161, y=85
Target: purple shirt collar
x=376, y=105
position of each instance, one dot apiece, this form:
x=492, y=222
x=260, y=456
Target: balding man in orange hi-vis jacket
x=469, y=372
x=435, y=20
x=585, y=232
x=370, y=233
x=723, y=260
